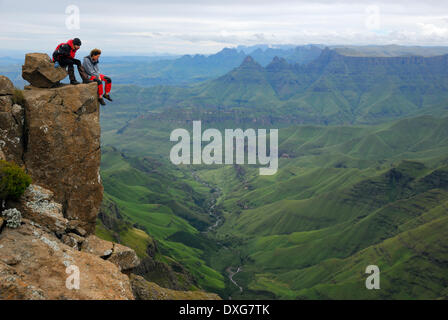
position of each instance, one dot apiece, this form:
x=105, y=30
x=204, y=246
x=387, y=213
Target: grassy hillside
x=310, y=231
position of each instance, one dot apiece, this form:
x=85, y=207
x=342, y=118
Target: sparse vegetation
x=17, y=97
x=13, y=180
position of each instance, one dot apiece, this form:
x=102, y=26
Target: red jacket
x=65, y=49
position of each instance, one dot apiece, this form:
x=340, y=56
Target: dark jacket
x=91, y=67
x=64, y=50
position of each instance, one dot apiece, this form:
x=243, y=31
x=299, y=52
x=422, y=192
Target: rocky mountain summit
x=53, y=132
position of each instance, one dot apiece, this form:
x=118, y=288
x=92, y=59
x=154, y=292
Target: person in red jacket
x=64, y=54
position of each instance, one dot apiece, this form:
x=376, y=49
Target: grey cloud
x=206, y=26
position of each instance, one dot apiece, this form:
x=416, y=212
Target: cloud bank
x=199, y=26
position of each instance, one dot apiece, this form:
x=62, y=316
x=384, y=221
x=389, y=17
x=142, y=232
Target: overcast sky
x=200, y=26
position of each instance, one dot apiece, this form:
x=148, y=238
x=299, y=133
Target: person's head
x=95, y=54
x=76, y=43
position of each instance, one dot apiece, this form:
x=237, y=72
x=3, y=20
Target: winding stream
x=211, y=202
x=231, y=274
x=212, y=212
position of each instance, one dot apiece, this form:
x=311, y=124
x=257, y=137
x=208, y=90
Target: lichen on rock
x=13, y=218
x=38, y=205
x=11, y=124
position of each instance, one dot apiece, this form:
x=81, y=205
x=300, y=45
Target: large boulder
x=99, y=247
x=125, y=258
x=40, y=72
x=62, y=131
x=6, y=86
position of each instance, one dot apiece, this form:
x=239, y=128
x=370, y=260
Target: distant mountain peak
x=278, y=63
x=279, y=60
x=250, y=62
x=227, y=51
x=248, y=59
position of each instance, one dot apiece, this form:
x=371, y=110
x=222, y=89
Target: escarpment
x=62, y=148
x=55, y=134
x=50, y=251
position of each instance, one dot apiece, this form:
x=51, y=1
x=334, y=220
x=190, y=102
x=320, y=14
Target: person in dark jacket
x=90, y=65
x=64, y=54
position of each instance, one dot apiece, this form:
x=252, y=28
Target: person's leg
x=65, y=61
x=108, y=86
x=82, y=73
x=68, y=62
x=71, y=74
x=100, y=85
x=100, y=89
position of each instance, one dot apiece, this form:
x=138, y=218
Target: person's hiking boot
x=108, y=97
x=102, y=102
x=57, y=84
x=71, y=76
x=87, y=81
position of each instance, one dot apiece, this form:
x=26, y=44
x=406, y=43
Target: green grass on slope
x=412, y=264
x=274, y=250
x=317, y=212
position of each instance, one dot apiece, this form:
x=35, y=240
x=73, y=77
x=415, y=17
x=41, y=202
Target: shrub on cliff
x=17, y=97
x=13, y=180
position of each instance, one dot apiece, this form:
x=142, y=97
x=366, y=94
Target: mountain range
x=333, y=89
